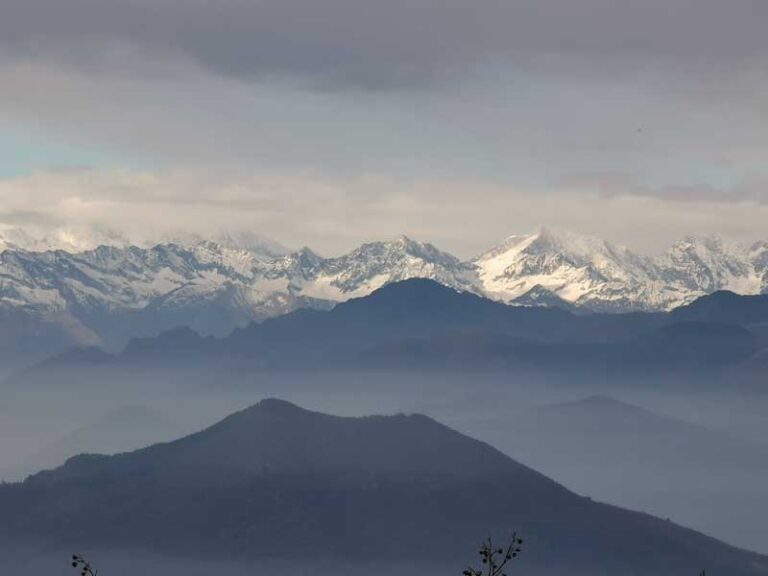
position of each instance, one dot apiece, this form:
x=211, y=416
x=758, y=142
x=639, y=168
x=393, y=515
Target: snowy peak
x=252, y=243
x=239, y=261
x=395, y=252
x=84, y=239
x=375, y=264
x=209, y=286
x=366, y=269
x=707, y=264
x=546, y=252
x=215, y=286
x=68, y=239
x=758, y=257
x=592, y=273
x=578, y=269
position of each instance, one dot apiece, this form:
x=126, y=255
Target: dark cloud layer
x=415, y=116
x=394, y=43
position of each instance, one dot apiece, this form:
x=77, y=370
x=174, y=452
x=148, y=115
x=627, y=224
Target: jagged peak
x=303, y=255
x=711, y=239
x=251, y=242
x=404, y=240
x=549, y=240
x=410, y=245
x=579, y=269
x=402, y=248
x=401, y=242
x=86, y=238
x=571, y=241
x=712, y=243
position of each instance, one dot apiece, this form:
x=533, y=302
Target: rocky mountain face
x=596, y=275
x=108, y=294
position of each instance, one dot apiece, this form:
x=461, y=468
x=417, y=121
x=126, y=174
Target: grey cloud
x=610, y=185
x=394, y=43
x=533, y=90
x=334, y=215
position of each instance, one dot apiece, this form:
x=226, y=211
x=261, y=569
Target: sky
x=332, y=122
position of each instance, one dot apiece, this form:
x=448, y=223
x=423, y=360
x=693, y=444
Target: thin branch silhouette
x=84, y=566
x=495, y=559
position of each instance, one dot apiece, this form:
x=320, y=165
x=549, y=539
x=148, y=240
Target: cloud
x=375, y=45
x=611, y=185
x=333, y=215
x=273, y=115
x=531, y=131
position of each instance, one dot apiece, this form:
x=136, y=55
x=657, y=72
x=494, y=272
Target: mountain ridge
x=421, y=324
x=110, y=294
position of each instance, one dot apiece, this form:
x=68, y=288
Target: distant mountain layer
x=642, y=460
x=279, y=482
x=420, y=324
x=107, y=295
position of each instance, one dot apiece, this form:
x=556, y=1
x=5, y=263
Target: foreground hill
x=279, y=482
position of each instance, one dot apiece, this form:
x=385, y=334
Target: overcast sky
x=330, y=122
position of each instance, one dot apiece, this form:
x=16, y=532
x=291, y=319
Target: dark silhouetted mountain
x=725, y=307
x=279, y=482
x=83, y=289
x=409, y=309
x=422, y=324
x=702, y=344
x=601, y=429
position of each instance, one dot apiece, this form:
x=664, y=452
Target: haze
x=541, y=223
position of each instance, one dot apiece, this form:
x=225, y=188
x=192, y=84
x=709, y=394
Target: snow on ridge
x=592, y=273
x=77, y=240
x=257, y=281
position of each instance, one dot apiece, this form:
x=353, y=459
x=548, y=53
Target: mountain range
x=110, y=293
x=282, y=483
x=421, y=325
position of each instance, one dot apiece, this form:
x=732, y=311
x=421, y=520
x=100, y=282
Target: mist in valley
x=700, y=460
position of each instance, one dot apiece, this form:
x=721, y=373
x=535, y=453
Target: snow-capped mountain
x=84, y=238
x=710, y=264
x=367, y=268
x=580, y=270
x=69, y=239
x=110, y=293
x=597, y=275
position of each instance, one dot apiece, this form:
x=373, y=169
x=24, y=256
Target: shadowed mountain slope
x=422, y=324
x=276, y=481
x=726, y=307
